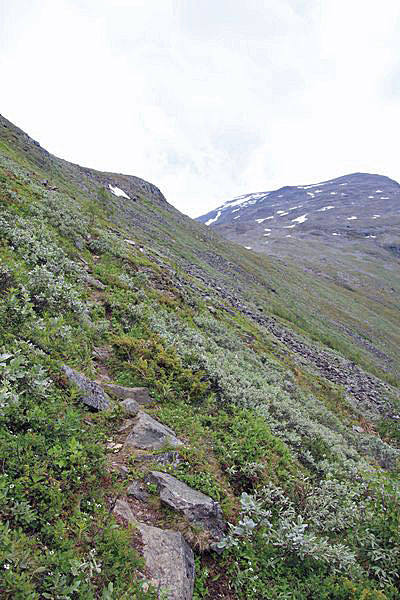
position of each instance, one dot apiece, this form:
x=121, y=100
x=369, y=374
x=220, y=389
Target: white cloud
x=208, y=100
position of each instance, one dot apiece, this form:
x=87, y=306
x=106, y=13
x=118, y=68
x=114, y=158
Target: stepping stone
x=149, y=434
x=169, y=558
x=92, y=393
x=196, y=506
x=140, y=394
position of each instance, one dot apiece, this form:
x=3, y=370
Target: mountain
x=181, y=415
x=358, y=206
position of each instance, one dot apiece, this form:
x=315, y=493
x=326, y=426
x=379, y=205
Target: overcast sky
x=207, y=99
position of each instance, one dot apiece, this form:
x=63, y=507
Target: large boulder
x=147, y=433
x=92, y=393
x=196, y=506
x=140, y=394
x=169, y=559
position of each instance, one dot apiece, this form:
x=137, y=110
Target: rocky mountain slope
x=180, y=417
x=358, y=206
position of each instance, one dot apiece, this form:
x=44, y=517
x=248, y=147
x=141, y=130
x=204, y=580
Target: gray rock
x=196, y=506
x=131, y=406
x=140, y=394
x=169, y=559
x=124, y=511
x=165, y=458
x=92, y=393
x=138, y=490
x=147, y=433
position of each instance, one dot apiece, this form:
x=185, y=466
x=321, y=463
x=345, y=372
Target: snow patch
x=248, y=247
x=351, y=218
x=333, y=193
x=376, y=216
x=379, y=191
x=118, y=192
x=371, y=196
x=289, y=226
x=212, y=220
x=261, y=220
x=324, y=208
x=384, y=197
x=300, y=219
x=311, y=194
x=308, y=187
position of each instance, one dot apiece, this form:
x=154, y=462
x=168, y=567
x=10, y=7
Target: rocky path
x=168, y=556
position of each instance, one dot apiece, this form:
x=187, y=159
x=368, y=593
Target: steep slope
x=272, y=397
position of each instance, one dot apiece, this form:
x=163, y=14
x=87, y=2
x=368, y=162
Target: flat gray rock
x=140, y=394
x=92, y=393
x=196, y=506
x=147, y=433
x=169, y=559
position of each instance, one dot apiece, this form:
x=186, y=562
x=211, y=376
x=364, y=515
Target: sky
x=207, y=99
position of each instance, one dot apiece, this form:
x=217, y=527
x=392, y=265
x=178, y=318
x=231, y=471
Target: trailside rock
x=196, y=506
x=92, y=393
x=169, y=559
x=131, y=406
x=165, y=458
x=140, y=394
x=147, y=433
x=137, y=489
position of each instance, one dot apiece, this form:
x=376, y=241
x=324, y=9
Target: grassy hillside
x=281, y=383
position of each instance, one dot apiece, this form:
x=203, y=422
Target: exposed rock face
x=169, y=559
x=148, y=433
x=196, y=506
x=140, y=394
x=92, y=393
